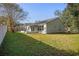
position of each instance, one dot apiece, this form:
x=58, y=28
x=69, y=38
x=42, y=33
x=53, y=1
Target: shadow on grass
x=18, y=44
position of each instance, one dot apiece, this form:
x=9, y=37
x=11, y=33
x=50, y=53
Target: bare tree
x=13, y=12
x=2, y=20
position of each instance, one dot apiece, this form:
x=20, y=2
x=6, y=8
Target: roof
x=44, y=21
x=48, y=20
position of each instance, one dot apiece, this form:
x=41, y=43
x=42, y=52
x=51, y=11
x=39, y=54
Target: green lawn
x=40, y=44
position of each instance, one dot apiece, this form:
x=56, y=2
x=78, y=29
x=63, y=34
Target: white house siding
x=28, y=29
x=55, y=27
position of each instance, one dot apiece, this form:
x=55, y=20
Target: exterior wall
x=55, y=27
x=28, y=29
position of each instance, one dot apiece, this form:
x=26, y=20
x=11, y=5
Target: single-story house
x=46, y=26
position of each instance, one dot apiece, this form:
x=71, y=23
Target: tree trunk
x=10, y=24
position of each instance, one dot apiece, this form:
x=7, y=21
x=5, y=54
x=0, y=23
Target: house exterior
x=46, y=26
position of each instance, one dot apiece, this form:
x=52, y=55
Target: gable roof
x=48, y=20
x=44, y=21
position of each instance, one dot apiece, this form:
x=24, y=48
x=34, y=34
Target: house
x=45, y=27
x=20, y=27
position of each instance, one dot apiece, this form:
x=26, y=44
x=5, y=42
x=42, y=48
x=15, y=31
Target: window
x=32, y=28
x=40, y=28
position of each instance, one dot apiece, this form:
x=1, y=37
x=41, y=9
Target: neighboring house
x=46, y=26
x=20, y=27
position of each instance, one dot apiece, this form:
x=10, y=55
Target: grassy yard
x=40, y=44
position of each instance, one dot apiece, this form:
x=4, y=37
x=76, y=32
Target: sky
x=41, y=11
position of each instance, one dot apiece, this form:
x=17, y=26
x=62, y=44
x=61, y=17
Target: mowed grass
x=61, y=41
x=18, y=44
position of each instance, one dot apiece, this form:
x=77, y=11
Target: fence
x=3, y=30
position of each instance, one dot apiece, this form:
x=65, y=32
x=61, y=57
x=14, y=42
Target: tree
x=70, y=17
x=74, y=10
x=13, y=12
x=65, y=18
x=2, y=20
